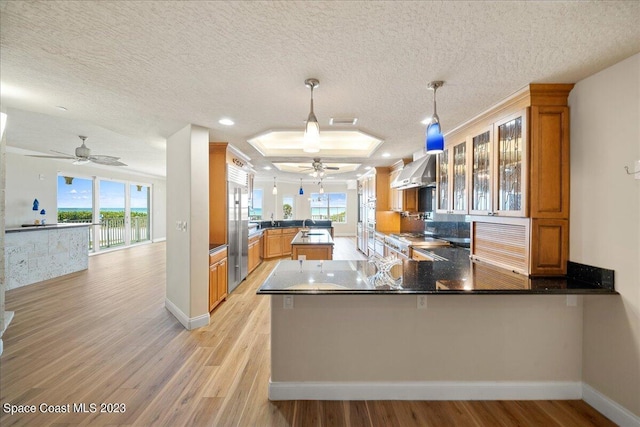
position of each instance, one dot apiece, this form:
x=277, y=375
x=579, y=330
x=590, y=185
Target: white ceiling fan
x=83, y=155
x=319, y=168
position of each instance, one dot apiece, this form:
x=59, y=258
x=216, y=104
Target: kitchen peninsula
x=334, y=335
x=312, y=245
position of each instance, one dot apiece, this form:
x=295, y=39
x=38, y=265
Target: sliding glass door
x=120, y=211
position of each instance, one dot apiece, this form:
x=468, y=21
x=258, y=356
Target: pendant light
x=301, y=191
x=435, y=140
x=275, y=189
x=311, y=140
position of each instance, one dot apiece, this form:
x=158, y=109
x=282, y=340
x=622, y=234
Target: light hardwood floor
x=104, y=336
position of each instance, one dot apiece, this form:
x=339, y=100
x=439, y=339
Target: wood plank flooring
x=104, y=336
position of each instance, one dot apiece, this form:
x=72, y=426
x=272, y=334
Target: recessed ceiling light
x=61, y=108
x=226, y=122
x=386, y=154
x=426, y=120
x=267, y=168
x=343, y=122
x=367, y=167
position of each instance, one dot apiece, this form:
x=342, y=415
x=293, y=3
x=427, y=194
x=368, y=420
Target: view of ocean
x=139, y=210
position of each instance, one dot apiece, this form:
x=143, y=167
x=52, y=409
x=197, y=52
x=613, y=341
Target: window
x=75, y=199
x=255, y=210
x=287, y=207
x=331, y=206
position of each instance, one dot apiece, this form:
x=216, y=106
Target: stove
x=418, y=240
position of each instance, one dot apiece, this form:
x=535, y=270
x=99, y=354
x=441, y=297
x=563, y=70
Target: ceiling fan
x=319, y=168
x=83, y=155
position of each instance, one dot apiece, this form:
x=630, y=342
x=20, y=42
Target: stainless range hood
x=419, y=173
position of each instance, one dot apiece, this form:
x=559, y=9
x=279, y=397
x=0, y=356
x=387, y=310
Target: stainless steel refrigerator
x=238, y=226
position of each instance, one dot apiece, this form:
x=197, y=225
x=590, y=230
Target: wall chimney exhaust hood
x=419, y=173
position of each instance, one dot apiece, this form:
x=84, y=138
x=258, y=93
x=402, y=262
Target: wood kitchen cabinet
x=272, y=243
x=217, y=277
x=401, y=200
x=287, y=236
x=277, y=241
x=518, y=180
x=255, y=252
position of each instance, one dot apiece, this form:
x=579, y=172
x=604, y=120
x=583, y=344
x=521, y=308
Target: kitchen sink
x=312, y=234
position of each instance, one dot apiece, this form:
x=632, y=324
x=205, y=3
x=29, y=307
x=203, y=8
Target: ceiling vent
x=343, y=122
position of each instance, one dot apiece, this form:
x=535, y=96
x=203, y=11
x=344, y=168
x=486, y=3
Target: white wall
x=301, y=208
x=605, y=224
x=463, y=339
x=31, y=178
x=187, y=288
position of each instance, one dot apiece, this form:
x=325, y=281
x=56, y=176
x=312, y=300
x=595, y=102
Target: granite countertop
x=33, y=227
x=215, y=247
x=453, y=273
x=315, y=237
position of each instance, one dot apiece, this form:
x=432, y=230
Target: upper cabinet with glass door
x=511, y=166
x=482, y=165
x=453, y=179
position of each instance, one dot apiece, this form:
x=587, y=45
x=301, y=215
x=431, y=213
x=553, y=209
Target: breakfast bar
x=340, y=331
x=37, y=253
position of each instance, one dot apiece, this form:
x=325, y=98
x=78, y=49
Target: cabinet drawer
x=217, y=256
x=273, y=231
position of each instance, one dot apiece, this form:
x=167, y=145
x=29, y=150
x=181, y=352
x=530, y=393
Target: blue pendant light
x=435, y=140
x=301, y=192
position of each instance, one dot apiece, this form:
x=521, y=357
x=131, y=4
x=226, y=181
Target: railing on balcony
x=112, y=231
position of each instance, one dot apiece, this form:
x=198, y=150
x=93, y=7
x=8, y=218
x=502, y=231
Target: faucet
x=273, y=223
x=304, y=222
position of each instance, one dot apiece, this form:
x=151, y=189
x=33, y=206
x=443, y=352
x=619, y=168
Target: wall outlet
x=422, y=302
x=287, y=302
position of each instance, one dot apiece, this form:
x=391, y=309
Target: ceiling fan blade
x=106, y=160
x=71, y=156
x=52, y=157
x=333, y=168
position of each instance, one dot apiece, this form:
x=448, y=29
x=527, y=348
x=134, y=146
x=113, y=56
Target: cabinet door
x=287, y=237
x=213, y=286
x=511, y=160
x=459, y=196
x=481, y=170
x=409, y=199
x=394, y=193
x=273, y=244
x=442, y=199
x=222, y=279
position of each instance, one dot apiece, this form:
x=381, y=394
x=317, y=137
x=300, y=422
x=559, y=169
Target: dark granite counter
x=215, y=247
x=451, y=272
x=313, y=237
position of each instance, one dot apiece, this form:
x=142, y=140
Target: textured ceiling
x=132, y=73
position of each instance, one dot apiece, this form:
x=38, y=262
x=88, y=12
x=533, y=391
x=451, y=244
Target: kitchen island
x=338, y=334
x=312, y=244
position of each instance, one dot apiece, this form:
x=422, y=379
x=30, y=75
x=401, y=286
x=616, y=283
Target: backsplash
x=441, y=225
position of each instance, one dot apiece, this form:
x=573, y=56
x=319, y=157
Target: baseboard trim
x=609, y=408
x=426, y=390
x=188, y=322
x=160, y=239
